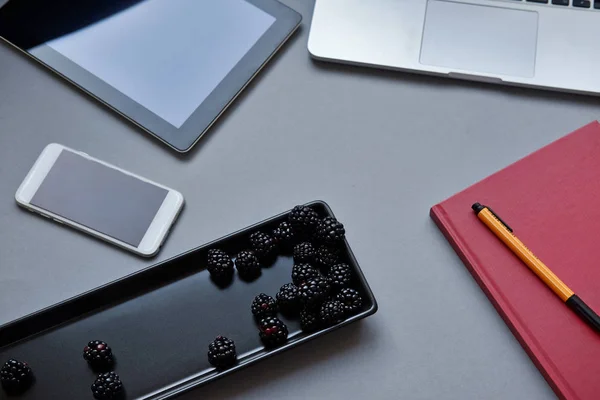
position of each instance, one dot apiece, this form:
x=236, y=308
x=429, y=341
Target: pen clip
x=500, y=219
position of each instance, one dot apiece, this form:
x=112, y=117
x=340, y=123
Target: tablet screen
x=170, y=66
x=167, y=58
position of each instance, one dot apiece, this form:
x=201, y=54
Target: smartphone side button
x=57, y=220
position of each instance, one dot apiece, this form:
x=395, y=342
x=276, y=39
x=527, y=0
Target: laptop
x=550, y=44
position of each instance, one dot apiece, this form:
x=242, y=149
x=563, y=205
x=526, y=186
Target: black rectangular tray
x=159, y=322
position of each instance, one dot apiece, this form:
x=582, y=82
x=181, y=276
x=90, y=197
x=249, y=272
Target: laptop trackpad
x=478, y=38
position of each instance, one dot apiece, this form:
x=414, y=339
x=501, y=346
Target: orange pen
x=505, y=233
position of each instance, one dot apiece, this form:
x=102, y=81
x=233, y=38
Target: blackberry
x=284, y=236
x=314, y=292
x=288, y=299
x=309, y=321
x=219, y=265
x=351, y=300
x=264, y=246
x=304, y=253
x=264, y=306
x=221, y=352
x=340, y=276
x=98, y=354
x=247, y=264
x=327, y=256
x=108, y=386
x=332, y=312
x=273, y=332
x=330, y=231
x=303, y=272
x=16, y=376
x=303, y=219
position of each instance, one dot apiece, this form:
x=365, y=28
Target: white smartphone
x=95, y=197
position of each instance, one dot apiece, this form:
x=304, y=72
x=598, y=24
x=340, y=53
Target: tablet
x=170, y=66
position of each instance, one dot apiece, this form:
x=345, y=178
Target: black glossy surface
x=159, y=323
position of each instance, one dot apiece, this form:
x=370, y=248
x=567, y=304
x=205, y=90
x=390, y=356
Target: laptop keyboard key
x=566, y=3
x=582, y=3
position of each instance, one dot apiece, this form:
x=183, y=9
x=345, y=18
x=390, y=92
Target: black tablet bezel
x=181, y=139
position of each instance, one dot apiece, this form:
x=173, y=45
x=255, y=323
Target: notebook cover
x=550, y=200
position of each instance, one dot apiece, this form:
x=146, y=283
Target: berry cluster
x=219, y=265
x=272, y=331
x=99, y=355
x=16, y=376
x=108, y=385
x=263, y=249
x=317, y=277
x=322, y=280
x=320, y=293
x=222, y=353
x=311, y=239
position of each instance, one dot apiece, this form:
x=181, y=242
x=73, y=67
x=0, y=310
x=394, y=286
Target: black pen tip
x=477, y=208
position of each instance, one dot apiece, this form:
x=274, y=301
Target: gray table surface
x=381, y=148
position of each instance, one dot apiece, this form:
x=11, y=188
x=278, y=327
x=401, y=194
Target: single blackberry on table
x=304, y=253
x=303, y=219
x=98, y=354
x=284, y=236
x=247, y=264
x=108, y=386
x=273, y=332
x=303, y=272
x=332, y=312
x=219, y=265
x=314, y=292
x=327, y=256
x=288, y=299
x=309, y=320
x=221, y=352
x=264, y=246
x=264, y=306
x=351, y=300
x=330, y=231
x=16, y=376
x=340, y=276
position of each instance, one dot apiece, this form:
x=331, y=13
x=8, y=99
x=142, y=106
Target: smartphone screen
x=100, y=198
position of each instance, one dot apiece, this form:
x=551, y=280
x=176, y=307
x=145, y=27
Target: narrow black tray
x=159, y=322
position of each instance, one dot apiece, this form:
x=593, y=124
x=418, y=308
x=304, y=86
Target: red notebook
x=551, y=201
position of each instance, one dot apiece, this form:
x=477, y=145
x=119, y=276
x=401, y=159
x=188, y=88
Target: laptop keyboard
x=568, y=3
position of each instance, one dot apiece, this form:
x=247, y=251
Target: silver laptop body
x=523, y=43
